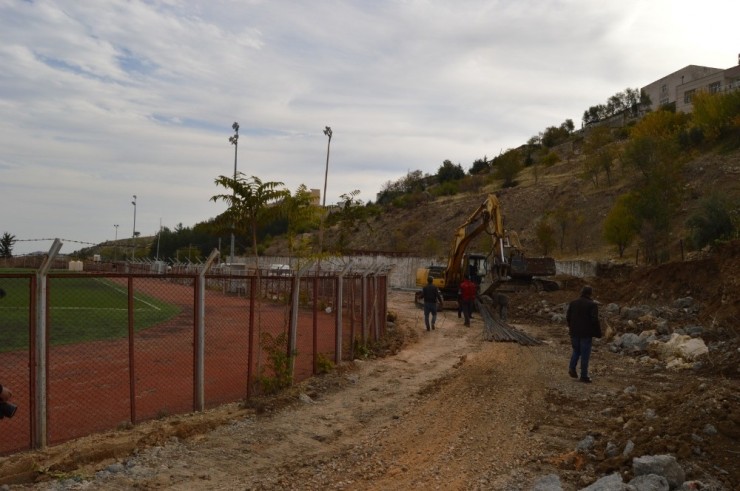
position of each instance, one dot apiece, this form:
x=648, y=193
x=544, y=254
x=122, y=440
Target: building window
x=688, y=96
x=714, y=87
x=664, y=89
x=664, y=101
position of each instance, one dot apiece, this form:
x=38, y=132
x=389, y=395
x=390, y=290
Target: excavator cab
x=476, y=267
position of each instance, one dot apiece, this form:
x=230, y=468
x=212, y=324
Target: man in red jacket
x=583, y=325
x=467, y=298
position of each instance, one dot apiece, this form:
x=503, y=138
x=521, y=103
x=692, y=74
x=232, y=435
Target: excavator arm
x=486, y=218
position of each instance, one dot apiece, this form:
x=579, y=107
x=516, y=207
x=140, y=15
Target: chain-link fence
x=94, y=351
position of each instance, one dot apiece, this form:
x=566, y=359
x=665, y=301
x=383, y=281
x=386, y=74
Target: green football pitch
x=80, y=309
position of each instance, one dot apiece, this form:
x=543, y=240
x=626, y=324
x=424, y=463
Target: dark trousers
x=430, y=309
x=467, y=310
x=582, y=351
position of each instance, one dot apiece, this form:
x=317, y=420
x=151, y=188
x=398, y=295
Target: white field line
x=124, y=292
x=97, y=308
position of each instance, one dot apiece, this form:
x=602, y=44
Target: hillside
x=429, y=225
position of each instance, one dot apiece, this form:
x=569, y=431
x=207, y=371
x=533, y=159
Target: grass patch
x=80, y=309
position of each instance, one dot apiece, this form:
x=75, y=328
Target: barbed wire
x=63, y=240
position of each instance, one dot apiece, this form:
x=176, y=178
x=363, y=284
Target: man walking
x=431, y=296
x=467, y=297
x=583, y=325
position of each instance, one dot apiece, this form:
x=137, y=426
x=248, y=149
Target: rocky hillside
x=428, y=226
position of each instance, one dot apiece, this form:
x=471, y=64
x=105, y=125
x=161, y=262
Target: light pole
x=234, y=140
x=133, y=249
x=327, y=132
x=115, y=245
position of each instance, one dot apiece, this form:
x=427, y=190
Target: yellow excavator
x=504, y=268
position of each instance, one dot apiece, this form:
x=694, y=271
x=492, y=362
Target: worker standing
x=431, y=296
x=467, y=298
x=583, y=325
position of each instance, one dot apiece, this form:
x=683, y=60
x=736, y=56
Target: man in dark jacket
x=431, y=296
x=583, y=325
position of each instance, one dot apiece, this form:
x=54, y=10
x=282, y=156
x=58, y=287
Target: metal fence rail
x=89, y=352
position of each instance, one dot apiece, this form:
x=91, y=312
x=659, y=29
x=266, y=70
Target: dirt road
x=449, y=411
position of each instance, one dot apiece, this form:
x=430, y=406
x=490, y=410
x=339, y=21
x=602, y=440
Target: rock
x=685, y=347
x=634, y=313
x=585, y=445
x=612, y=482
x=662, y=465
x=628, y=448
x=683, y=303
x=694, y=331
x=650, y=482
x=611, y=450
x=693, y=486
x=306, y=399
x=115, y=468
x=612, y=308
x=709, y=429
x=631, y=342
x=550, y=482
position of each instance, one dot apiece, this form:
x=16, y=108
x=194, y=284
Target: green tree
x=563, y=218
x=301, y=214
x=480, y=166
x=7, y=241
x=578, y=231
x=599, y=154
x=716, y=114
x=351, y=213
x=450, y=172
x=532, y=145
x=251, y=203
x=620, y=225
x=507, y=167
x=554, y=135
x=412, y=182
x=568, y=126
x=713, y=221
x=545, y=234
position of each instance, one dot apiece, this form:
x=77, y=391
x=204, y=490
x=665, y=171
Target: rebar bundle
x=496, y=329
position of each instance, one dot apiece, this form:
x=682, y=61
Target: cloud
x=100, y=101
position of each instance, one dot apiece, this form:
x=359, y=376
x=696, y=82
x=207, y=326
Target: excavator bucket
x=528, y=267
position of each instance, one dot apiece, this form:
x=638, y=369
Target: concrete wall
x=579, y=269
x=402, y=269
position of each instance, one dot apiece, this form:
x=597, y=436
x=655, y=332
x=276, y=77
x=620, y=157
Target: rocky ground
x=448, y=410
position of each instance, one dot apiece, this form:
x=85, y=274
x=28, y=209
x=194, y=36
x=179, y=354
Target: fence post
x=293, y=337
x=363, y=306
x=200, y=340
x=339, y=307
x=39, y=438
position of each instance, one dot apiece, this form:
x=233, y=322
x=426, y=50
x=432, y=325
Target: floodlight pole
x=133, y=249
x=327, y=132
x=234, y=141
x=115, y=245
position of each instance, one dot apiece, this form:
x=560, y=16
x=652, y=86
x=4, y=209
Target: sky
x=101, y=101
